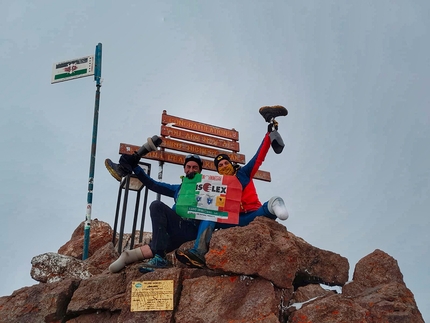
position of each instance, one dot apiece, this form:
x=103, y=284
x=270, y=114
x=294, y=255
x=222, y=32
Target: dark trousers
x=169, y=230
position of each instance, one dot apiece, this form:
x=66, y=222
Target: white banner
x=73, y=69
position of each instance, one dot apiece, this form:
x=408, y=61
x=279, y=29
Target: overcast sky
x=354, y=76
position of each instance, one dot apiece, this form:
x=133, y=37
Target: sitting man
x=169, y=230
x=251, y=206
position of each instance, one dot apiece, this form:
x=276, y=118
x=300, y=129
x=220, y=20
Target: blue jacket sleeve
x=155, y=186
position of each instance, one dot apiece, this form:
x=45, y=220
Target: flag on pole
x=72, y=69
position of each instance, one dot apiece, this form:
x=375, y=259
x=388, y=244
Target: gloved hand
x=129, y=161
x=272, y=126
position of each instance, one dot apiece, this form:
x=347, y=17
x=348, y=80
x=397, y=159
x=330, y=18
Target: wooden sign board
x=200, y=150
x=191, y=137
x=179, y=160
x=199, y=127
x=199, y=138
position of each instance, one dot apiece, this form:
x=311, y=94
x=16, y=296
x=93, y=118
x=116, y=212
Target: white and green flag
x=72, y=69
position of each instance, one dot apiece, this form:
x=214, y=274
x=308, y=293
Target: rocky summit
x=257, y=273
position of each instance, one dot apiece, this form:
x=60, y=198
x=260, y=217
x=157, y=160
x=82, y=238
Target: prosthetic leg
x=129, y=257
x=269, y=113
x=118, y=171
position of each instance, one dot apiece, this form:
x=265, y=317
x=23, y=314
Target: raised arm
x=155, y=186
x=254, y=164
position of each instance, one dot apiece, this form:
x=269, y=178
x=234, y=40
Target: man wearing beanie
x=251, y=207
x=169, y=230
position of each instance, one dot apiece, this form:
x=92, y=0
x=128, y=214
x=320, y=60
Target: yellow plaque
x=152, y=295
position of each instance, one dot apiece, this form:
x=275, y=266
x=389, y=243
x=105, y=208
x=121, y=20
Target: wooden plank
x=200, y=150
x=178, y=159
x=187, y=148
x=199, y=138
x=199, y=127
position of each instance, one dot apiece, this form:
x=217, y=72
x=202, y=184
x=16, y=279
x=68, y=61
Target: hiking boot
x=116, y=170
x=271, y=112
x=190, y=258
x=277, y=207
x=156, y=262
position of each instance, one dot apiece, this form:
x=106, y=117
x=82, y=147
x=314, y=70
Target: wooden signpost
x=191, y=137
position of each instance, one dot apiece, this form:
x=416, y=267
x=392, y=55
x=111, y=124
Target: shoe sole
x=270, y=112
x=183, y=258
x=112, y=171
x=148, y=268
x=145, y=270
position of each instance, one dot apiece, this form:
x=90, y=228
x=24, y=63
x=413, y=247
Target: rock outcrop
x=258, y=273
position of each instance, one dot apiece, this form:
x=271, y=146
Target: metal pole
x=97, y=77
x=118, y=203
x=160, y=176
x=145, y=200
x=136, y=214
x=124, y=213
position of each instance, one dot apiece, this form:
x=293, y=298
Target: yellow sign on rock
x=152, y=295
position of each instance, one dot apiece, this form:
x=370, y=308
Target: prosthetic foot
x=126, y=258
x=269, y=113
x=277, y=207
x=118, y=171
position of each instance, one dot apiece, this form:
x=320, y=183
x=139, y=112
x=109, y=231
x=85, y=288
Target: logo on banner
x=210, y=196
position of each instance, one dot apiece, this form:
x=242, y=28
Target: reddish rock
x=103, y=257
x=101, y=293
x=378, y=286
x=84, y=291
x=332, y=309
x=227, y=299
x=306, y=293
x=38, y=303
x=266, y=249
x=105, y=317
x=391, y=302
x=100, y=234
x=375, y=269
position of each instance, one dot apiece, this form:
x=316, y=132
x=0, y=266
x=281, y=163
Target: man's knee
x=155, y=204
x=157, y=208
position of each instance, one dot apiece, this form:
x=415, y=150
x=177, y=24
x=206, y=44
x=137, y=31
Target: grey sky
x=353, y=75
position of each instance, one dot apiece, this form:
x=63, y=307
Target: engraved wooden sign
x=182, y=137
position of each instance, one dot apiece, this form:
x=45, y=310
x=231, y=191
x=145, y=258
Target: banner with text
x=75, y=68
x=210, y=197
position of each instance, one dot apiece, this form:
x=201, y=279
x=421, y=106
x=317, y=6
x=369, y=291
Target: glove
x=129, y=162
x=272, y=125
x=276, y=142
